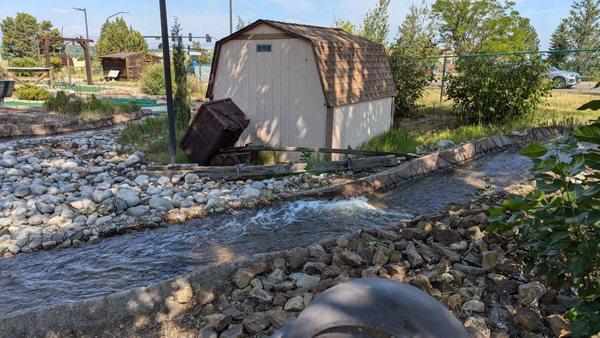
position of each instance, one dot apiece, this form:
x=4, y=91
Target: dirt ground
x=31, y=116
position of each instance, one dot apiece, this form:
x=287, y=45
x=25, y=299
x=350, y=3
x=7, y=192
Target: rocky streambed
x=63, y=191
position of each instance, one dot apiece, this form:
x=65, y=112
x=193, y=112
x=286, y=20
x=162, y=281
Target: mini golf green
x=117, y=100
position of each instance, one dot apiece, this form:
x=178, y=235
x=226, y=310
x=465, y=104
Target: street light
x=117, y=14
x=84, y=10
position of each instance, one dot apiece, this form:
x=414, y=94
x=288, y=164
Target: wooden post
x=443, y=81
x=86, y=55
x=47, y=52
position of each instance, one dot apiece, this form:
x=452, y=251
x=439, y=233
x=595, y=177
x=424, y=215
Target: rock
x=217, y=321
x=530, y=293
x=445, y=144
x=454, y=302
x=94, y=240
x=442, y=233
x=142, y=180
x=473, y=305
x=161, y=204
x=529, y=319
x=100, y=196
x=261, y=295
x=250, y=192
x=304, y=281
x=84, y=206
x=413, y=256
x=413, y=233
x=129, y=196
x=314, y=268
x=13, y=249
x=277, y=318
x=319, y=254
x=352, y=258
x=234, y=331
x=184, y=294
x=37, y=189
x=297, y=257
x=7, y=162
x=44, y=208
x=491, y=259
x=476, y=327
x=191, y=178
x=474, y=233
x=242, y=277
x=559, y=325
x=207, y=332
x=131, y=160
x=422, y=282
x=138, y=211
x=379, y=258
x=294, y=304
x=119, y=204
x=69, y=165
x=48, y=245
x=258, y=185
x=21, y=190
x=255, y=323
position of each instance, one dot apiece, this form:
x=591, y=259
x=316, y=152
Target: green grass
x=150, y=136
x=401, y=140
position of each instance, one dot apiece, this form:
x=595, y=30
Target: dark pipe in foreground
x=374, y=307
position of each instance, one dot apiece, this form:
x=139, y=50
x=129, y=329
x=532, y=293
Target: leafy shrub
x=75, y=105
x=559, y=222
x=153, y=80
x=32, y=92
x=23, y=62
x=487, y=90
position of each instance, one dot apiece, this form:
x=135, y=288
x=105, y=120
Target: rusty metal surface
x=374, y=307
x=218, y=124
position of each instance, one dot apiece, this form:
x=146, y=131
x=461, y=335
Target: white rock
x=142, y=180
x=161, y=204
x=101, y=195
x=191, y=178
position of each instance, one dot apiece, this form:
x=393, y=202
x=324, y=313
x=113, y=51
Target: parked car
x=563, y=79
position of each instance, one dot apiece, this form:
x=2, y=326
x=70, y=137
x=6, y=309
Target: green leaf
x=587, y=134
x=534, y=150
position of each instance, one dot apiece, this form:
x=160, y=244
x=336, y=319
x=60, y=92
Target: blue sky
x=211, y=16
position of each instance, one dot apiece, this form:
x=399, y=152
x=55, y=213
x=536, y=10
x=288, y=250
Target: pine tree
x=19, y=36
x=116, y=36
x=375, y=25
x=584, y=25
x=180, y=100
x=560, y=41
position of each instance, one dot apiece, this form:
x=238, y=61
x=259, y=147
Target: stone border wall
x=13, y=130
x=430, y=163
x=122, y=312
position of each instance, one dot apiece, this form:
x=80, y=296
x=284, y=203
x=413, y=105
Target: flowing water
x=44, y=278
x=50, y=277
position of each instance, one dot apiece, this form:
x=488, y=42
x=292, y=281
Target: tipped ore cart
x=210, y=142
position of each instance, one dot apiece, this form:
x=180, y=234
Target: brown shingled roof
x=352, y=69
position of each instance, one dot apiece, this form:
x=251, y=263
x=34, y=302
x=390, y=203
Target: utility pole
x=164, y=28
x=84, y=10
x=230, y=18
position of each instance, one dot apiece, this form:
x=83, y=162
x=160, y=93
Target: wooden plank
x=32, y=69
x=283, y=169
x=314, y=150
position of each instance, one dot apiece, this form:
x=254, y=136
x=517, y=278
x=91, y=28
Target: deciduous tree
x=180, y=100
x=375, y=25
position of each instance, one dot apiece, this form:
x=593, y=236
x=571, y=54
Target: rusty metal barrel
x=374, y=307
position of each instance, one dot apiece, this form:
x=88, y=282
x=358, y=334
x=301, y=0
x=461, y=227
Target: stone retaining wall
x=13, y=130
x=430, y=163
x=126, y=312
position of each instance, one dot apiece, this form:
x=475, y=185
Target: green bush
x=153, y=80
x=23, y=62
x=559, y=222
x=32, y=92
x=75, y=105
x=490, y=90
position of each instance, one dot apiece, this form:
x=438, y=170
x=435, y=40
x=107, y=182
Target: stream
x=44, y=278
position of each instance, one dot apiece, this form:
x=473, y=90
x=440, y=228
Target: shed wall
x=279, y=90
x=355, y=123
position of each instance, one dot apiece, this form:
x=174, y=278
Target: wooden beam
x=86, y=54
x=314, y=150
x=260, y=171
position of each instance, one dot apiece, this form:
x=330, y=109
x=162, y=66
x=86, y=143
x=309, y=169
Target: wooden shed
x=304, y=85
x=129, y=64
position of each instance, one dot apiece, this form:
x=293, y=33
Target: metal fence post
x=443, y=80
